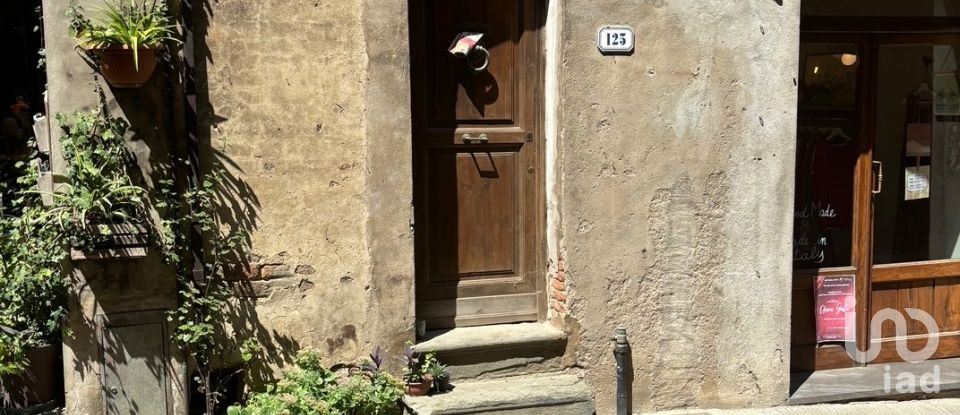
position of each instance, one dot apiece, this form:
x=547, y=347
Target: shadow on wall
x=237, y=204
x=170, y=134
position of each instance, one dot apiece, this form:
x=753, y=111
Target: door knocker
x=479, y=59
x=467, y=46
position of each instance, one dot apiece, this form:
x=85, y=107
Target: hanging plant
x=99, y=206
x=125, y=38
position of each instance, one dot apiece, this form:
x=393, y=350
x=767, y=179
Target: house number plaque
x=615, y=39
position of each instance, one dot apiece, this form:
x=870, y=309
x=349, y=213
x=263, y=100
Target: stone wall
x=675, y=194
x=305, y=104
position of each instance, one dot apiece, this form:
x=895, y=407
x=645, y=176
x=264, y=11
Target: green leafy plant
x=133, y=25
x=12, y=359
x=416, y=365
x=313, y=389
x=437, y=370
x=99, y=190
x=34, y=238
x=32, y=287
x=202, y=317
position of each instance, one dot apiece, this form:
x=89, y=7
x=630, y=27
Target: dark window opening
x=22, y=85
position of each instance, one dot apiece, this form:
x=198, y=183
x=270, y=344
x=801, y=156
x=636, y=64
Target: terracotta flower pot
x=117, y=67
x=422, y=388
x=41, y=383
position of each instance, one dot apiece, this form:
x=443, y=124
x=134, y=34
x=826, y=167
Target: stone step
x=544, y=394
x=498, y=350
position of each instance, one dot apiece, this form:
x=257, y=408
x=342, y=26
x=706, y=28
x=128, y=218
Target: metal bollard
x=621, y=351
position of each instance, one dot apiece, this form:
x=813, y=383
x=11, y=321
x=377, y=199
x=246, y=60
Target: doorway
x=478, y=162
x=878, y=182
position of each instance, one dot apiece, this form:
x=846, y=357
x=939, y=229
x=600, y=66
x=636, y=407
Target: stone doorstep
x=552, y=393
x=500, y=336
x=868, y=383
x=498, y=350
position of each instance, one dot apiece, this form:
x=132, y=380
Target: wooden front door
x=878, y=189
x=478, y=176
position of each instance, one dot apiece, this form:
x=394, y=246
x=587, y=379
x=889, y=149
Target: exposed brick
x=278, y=259
x=559, y=307
x=252, y=289
x=306, y=285
x=269, y=272
x=559, y=285
x=251, y=272
x=305, y=270
x=560, y=296
x=560, y=276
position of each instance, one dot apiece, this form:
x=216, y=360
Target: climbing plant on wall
x=202, y=319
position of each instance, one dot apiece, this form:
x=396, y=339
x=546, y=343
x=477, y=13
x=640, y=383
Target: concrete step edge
x=500, y=336
x=512, y=393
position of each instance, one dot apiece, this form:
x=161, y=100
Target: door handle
x=480, y=139
x=879, y=180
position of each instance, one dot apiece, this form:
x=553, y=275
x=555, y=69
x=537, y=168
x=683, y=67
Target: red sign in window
x=836, y=302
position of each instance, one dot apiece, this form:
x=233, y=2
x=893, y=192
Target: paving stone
x=877, y=382
x=925, y=407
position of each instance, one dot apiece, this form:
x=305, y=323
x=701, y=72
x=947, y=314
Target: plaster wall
x=306, y=105
x=676, y=197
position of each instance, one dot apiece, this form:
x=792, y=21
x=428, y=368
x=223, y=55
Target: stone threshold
x=941, y=378
x=488, y=337
x=549, y=393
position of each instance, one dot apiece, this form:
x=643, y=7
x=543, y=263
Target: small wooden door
x=477, y=163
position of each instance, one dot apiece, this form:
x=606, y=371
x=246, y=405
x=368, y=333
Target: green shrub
x=12, y=359
x=32, y=287
x=312, y=389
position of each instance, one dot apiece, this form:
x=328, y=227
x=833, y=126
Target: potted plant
x=418, y=380
x=441, y=379
x=30, y=373
x=124, y=37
